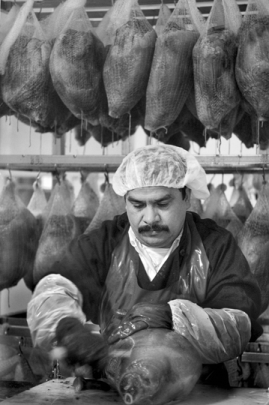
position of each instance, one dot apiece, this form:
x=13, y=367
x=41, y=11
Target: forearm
x=54, y=298
x=216, y=334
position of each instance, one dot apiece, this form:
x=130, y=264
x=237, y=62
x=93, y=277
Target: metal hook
x=242, y=177
x=239, y=159
x=222, y=178
x=263, y=175
x=40, y=11
x=106, y=174
x=38, y=175
x=83, y=175
x=10, y=175
x=57, y=174
x=20, y=349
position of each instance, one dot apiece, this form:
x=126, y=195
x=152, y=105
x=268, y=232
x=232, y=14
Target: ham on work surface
x=153, y=367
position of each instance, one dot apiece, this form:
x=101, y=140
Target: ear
x=188, y=197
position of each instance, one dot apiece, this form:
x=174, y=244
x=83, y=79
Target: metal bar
x=97, y=163
x=61, y=162
x=13, y=330
x=238, y=161
x=248, y=357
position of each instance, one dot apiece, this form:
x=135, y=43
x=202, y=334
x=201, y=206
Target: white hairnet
x=160, y=165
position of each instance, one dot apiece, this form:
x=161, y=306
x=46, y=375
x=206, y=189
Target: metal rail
x=100, y=163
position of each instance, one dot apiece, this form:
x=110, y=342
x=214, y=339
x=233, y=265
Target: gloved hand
x=83, y=346
x=142, y=316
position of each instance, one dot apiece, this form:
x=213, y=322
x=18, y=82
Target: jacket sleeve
x=221, y=326
x=75, y=284
x=230, y=282
x=217, y=335
x=54, y=298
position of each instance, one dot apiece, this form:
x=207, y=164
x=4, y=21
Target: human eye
x=163, y=204
x=138, y=205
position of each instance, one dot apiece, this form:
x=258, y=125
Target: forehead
x=152, y=193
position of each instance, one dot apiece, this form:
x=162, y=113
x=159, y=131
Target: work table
x=61, y=392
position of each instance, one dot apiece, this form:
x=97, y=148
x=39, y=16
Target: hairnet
x=160, y=165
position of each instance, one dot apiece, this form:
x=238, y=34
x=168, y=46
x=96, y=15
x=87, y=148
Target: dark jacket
x=230, y=283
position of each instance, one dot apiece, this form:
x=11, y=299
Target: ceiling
x=97, y=8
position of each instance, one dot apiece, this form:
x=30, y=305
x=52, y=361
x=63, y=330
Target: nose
x=151, y=215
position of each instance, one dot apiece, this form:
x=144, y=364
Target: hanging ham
x=76, y=65
x=18, y=238
x=85, y=205
x=26, y=82
x=218, y=208
x=254, y=242
x=127, y=66
x=60, y=229
x=171, y=75
x=110, y=206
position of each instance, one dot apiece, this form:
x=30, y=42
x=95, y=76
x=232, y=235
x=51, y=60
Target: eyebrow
x=164, y=198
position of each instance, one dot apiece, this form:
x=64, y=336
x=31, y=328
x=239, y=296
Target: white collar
x=152, y=258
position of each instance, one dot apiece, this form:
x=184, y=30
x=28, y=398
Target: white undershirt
x=152, y=258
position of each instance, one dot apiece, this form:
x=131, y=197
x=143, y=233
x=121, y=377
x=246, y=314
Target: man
x=155, y=266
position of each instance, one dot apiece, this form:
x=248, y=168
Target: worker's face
x=157, y=214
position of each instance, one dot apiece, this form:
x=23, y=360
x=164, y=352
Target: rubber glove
x=142, y=316
x=81, y=345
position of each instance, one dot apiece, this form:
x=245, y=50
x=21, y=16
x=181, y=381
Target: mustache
x=150, y=228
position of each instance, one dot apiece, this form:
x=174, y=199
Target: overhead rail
x=110, y=163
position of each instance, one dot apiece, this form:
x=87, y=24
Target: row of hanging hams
x=35, y=236
x=186, y=78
